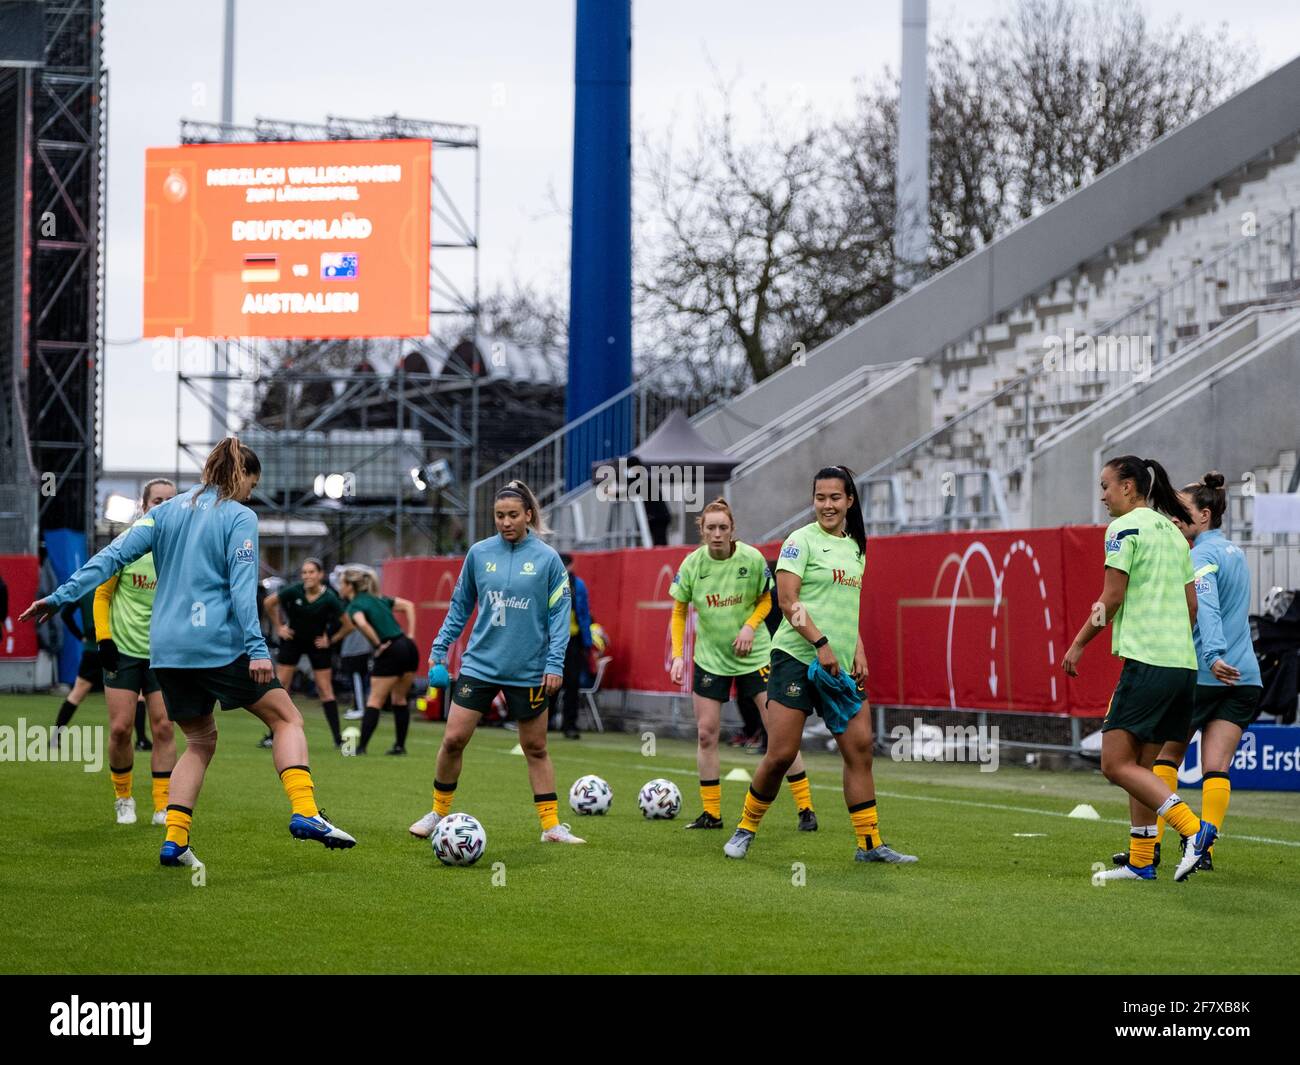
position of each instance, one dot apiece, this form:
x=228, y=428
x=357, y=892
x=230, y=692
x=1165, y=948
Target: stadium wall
x=960, y=621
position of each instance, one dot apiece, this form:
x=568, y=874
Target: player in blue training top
x=205, y=643
x=516, y=647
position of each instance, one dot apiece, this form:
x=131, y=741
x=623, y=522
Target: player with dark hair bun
x=1228, y=683
x=1148, y=595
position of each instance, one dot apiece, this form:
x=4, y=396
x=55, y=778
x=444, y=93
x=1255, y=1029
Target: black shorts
x=190, y=693
x=788, y=684
x=91, y=668
x=1154, y=703
x=522, y=703
x=718, y=687
x=1218, y=702
x=292, y=650
x=401, y=656
x=132, y=675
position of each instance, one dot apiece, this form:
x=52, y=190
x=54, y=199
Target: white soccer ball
x=660, y=800
x=590, y=795
x=458, y=839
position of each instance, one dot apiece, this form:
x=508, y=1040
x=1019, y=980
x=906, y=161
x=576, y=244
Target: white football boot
x=1126, y=872
x=560, y=834
x=423, y=828
x=125, y=810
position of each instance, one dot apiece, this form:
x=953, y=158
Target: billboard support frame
x=431, y=407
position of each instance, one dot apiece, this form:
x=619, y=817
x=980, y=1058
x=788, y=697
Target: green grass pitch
x=1003, y=884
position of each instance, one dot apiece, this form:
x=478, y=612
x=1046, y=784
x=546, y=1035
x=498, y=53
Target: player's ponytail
x=518, y=490
x=361, y=581
x=227, y=465
x=1210, y=494
x=854, y=523
x=1152, y=484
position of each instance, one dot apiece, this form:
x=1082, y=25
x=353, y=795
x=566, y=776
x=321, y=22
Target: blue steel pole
x=600, y=281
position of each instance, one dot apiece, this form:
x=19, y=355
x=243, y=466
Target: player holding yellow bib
x=729, y=585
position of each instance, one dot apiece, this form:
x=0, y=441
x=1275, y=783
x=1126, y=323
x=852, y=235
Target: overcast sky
x=504, y=65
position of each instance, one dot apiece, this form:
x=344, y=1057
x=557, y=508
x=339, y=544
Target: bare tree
x=750, y=249
x=1087, y=86
x=756, y=255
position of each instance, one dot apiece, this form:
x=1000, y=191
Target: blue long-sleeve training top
x=205, y=605
x=522, y=629
x=1222, y=627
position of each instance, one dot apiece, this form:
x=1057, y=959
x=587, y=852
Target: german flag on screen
x=261, y=268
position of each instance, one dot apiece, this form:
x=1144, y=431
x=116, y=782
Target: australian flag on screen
x=338, y=264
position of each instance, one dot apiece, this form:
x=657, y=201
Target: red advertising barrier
x=964, y=620
x=20, y=577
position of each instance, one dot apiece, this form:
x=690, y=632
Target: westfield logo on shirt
x=840, y=576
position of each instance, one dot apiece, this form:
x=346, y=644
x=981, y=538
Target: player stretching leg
x=396, y=655
x=123, y=608
x=819, y=587
x=206, y=645
x=729, y=585
x=521, y=589
x=1149, y=596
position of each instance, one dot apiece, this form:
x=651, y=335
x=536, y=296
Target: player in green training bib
x=729, y=585
x=819, y=587
x=123, y=611
x=1150, y=599
x=314, y=622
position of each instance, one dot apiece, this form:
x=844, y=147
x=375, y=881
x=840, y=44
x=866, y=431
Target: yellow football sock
x=548, y=807
x=1215, y=793
x=442, y=796
x=1141, y=847
x=122, y=779
x=801, y=790
x=1179, y=816
x=711, y=797
x=161, y=786
x=1167, y=771
x=866, y=824
x=299, y=787
x=755, y=807
x=179, y=819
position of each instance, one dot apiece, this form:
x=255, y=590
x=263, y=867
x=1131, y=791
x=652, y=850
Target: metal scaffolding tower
x=411, y=420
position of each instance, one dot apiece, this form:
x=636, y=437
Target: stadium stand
x=1177, y=261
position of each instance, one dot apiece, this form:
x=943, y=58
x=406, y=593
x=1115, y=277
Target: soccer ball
x=660, y=800
x=459, y=840
x=590, y=795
